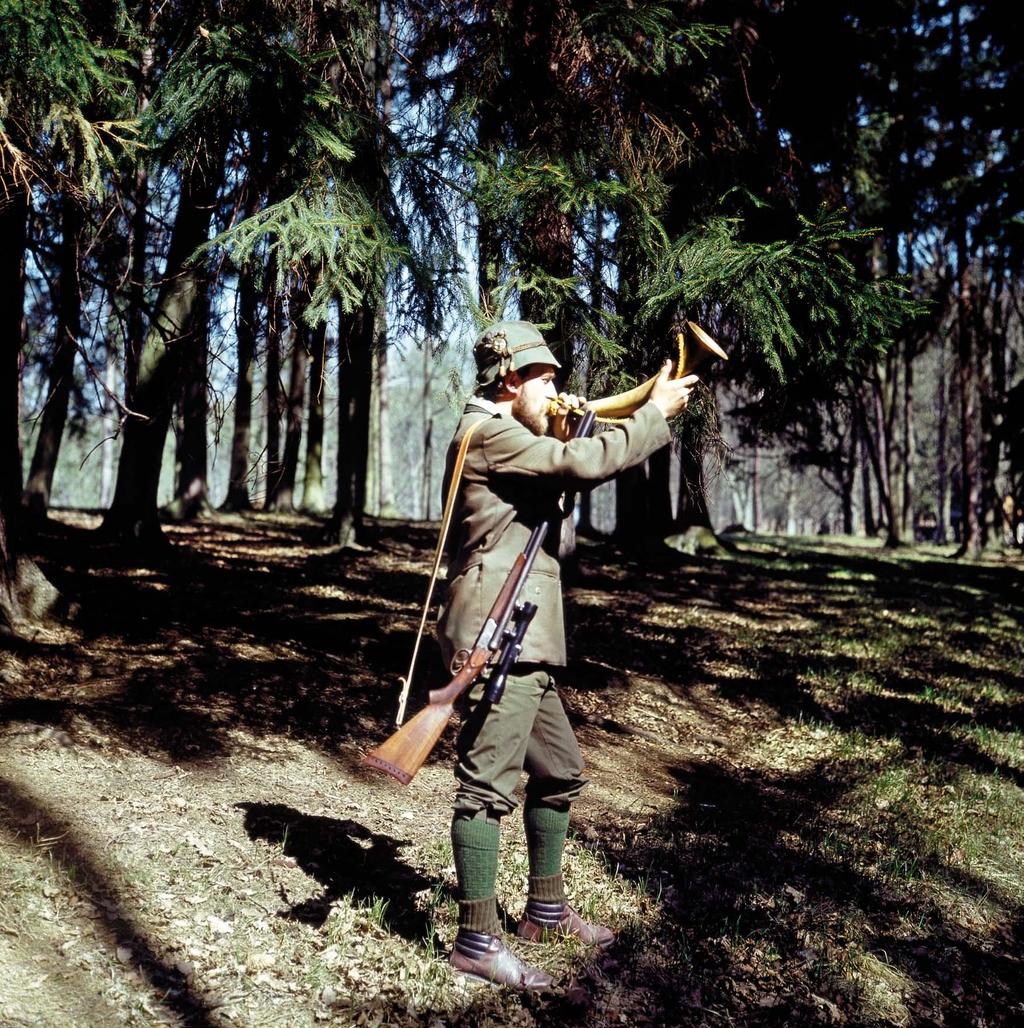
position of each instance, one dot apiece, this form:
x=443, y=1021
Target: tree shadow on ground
x=747, y=860
x=347, y=859
x=119, y=930
x=246, y=628
x=780, y=661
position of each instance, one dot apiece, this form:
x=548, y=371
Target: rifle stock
x=404, y=752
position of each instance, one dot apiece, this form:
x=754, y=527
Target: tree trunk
x=970, y=489
x=941, y=466
x=110, y=421
x=551, y=239
x=585, y=523
x=25, y=594
x=694, y=534
x=136, y=316
x=13, y=236
x=875, y=433
x=191, y=498
x=313, y=484
x=241, y=439
x=382, y=416
x=427, y=481
x=970, y=465
x=284, y=495
x=549, y=247
x=847, y=480
x=631, y=507
x=909, y=442
x=10, y=612
x=133, y=514
x=870, y=524
x=755, y=487
x=992, y=377
x=274, y=390
x=355, y=382
x=358, y=329
x=659, y=493
x=68, y=304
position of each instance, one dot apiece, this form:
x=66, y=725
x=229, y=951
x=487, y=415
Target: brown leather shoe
x=544, y=921
x=486, y=958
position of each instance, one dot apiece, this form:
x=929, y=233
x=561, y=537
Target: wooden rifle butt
x=405, y=751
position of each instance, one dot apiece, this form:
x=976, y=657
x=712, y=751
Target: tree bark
x=355, y=382
x=755, y=486
x=992, y=379
x=241, y=439
x=970, y=470
x=284, y=496
x=25, y=594
x=133, y=514
x=382, y=417
x=488, y=254
x=660, y=493
x=313, y=482
x=274, y=389
x=876, y=433
x=551, y=237
x=13, y=236
x=942, y=527
x=427, y=478
x=694, y=534
x=110, y=421
x=870, y=523
x=192, y=492
x=847, y=480
x=68, y=305
x=970, y=466
x=631, y=507
x=909, y=441
x=136, y=316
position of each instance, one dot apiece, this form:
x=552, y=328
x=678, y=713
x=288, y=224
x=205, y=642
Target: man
x=518, y=467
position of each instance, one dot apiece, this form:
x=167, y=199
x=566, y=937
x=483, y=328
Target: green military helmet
x=508, y=346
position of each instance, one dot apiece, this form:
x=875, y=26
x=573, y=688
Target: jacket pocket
x=545, y=640
x=463, y=615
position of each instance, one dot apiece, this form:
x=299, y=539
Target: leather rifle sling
x=446, y=520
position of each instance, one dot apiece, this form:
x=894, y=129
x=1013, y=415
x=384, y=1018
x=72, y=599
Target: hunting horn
x=695, y=347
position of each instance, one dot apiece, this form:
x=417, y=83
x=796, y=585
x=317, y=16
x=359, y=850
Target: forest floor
x=806, y=801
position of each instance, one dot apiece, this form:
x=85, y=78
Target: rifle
x=405, y=751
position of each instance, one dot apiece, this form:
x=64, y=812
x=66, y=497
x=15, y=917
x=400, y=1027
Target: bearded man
x=519, y=466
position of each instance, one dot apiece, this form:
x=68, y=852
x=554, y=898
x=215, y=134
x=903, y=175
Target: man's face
x=537, y=390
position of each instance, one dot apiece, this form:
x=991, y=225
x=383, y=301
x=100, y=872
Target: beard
x=533, y=414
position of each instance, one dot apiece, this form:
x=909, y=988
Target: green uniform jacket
x=513, y=481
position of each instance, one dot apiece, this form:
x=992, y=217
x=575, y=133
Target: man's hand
x=671, y=395
x=560, y=427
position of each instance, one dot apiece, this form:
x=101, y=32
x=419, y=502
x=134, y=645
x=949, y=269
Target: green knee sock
x=475, y=846
x=545, y=839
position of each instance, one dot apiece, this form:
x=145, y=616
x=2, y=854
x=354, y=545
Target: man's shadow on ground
x=347, y=859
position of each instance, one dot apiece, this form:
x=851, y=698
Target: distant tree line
x=832, y=190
